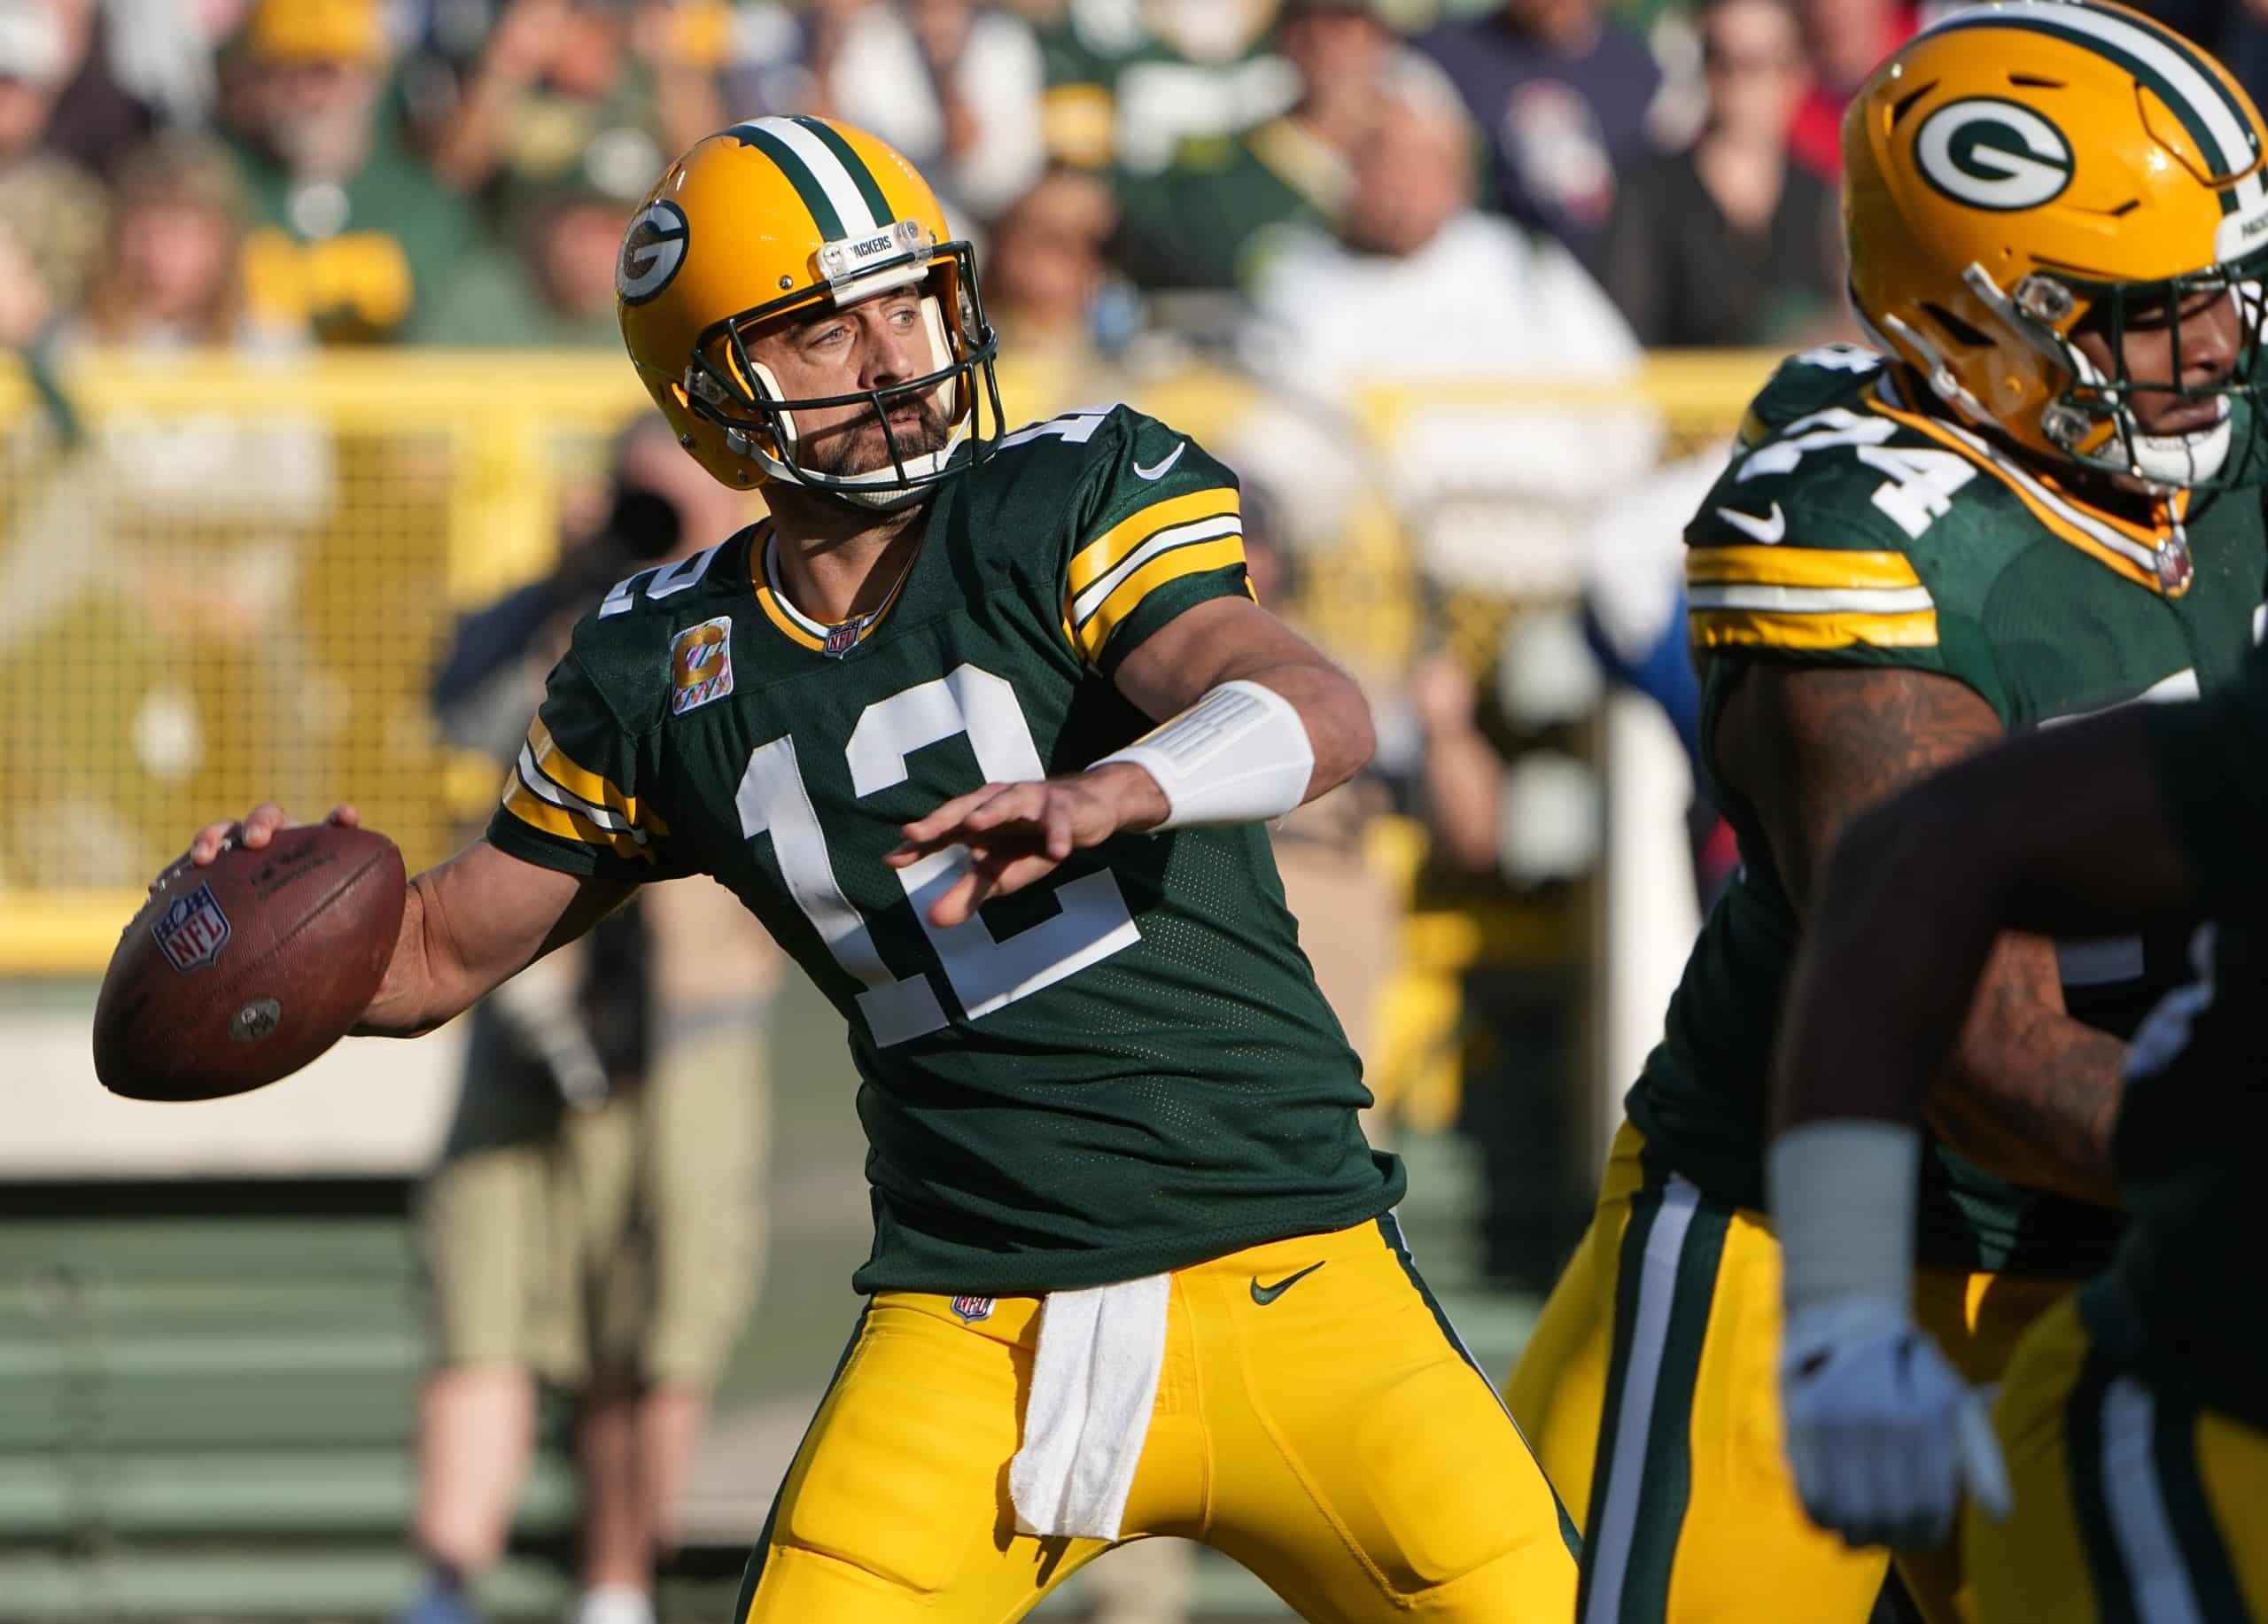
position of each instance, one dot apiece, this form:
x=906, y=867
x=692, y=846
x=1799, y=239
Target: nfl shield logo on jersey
x=973, y=1308
x=841, y=639
x=701, y=664
x=191, y=930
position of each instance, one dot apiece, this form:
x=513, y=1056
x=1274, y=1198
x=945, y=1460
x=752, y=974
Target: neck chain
x=838, y=639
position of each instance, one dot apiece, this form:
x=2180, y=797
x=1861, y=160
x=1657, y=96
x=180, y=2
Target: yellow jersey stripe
x=533, y=809
x=1094, y=631
x=586, y=785
x=1104, y=554
x=1747, y=628
x=1796, y=566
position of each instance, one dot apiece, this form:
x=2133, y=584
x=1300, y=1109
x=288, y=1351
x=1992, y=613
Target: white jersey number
x=985, y=974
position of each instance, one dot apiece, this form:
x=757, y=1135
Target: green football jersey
x=2186, y=1296
x=1854, y=529
x=1125, y=1068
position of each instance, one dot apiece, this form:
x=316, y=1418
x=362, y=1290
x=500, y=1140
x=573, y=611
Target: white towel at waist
x=1094, y=1382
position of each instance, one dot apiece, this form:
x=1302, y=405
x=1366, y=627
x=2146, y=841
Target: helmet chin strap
x=2169, y=461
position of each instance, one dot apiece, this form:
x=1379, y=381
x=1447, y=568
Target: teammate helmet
x=770, y=216
x=2027, y=166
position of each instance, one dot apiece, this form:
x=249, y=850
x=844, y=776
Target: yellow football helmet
x=764, y=218
x=2027, y=166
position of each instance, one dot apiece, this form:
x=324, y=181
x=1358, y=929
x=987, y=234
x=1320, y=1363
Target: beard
x=862, y=446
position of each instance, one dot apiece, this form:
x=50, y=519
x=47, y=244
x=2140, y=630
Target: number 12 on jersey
x=985, y=974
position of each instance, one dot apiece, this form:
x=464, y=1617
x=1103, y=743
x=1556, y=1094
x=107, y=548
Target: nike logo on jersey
x=1159, y=470
x=1265, y=1294
x=1769, y=529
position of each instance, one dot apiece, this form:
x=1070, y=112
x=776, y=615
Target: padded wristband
x=1842, y=1195
x=1240, y=755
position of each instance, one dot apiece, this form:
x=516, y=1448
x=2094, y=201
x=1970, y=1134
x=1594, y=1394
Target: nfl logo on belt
x=973, y=1308
x=191, y=930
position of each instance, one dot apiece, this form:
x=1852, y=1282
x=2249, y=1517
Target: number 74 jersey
x=1122, y=1069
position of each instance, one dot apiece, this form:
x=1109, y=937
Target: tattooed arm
x=2029, y=1093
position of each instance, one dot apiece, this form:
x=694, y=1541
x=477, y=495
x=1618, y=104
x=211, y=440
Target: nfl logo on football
x=191, y=930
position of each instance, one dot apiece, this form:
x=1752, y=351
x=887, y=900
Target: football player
x=2132, y=1423
x=2034, y=498
x=1135, y=1270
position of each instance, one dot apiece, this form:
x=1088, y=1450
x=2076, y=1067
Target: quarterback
x=2035, y=497
x=2125, y=1466
x=1135, y=1270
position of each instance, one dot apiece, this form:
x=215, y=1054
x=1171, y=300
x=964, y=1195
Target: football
x=240, y=972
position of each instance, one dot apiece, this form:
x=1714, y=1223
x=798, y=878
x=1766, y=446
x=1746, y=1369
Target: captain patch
x=701, y=664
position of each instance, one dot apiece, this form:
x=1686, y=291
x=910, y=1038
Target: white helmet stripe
x=834, y=180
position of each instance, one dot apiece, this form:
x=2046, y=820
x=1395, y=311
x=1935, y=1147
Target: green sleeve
x=1158, y=528
x=581, y=798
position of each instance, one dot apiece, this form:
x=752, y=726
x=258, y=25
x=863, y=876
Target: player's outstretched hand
x=1883, y=1435
x=1001, y=837
x=258, y=828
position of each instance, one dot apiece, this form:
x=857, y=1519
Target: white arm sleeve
x=1240, y=755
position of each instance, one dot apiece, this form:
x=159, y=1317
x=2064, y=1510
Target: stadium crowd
x=455, y=172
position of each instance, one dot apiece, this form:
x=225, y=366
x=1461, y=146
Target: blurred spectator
x=1563, y=93
x=57, y=91
x=552, y=281
x=613, y=89
x=1846, y=38
x=952, y=84
x=53, y=220
x=595, y=1219
x=1129, y=81
x=356, y=230
x=1728, y=242
x=1422, y=288
x=1194, y=225
x=172, y=277
x=1046, y=288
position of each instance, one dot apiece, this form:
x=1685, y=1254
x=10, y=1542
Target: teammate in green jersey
x=2037, y=497
x=1135, y=1270
x=2134, y=1418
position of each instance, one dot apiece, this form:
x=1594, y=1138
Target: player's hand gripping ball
x=240, y=971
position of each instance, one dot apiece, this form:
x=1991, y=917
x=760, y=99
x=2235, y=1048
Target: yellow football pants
x=2133, y=1504
x=1651, y=1391
x=1331, y=1435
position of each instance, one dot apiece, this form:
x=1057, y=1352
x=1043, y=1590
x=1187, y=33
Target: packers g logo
x=1992, y=154
x=651, y=252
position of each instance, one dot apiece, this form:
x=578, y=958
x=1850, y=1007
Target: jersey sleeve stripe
x=1796, y=566
x=1812, y=600
x=532, y=809
x=1095, y=560
x=543, y=785
x=1744, y=628
x=1195, y=559
x=1084, y=604
x=586, y=785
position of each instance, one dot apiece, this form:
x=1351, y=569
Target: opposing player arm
x=2025, y=1091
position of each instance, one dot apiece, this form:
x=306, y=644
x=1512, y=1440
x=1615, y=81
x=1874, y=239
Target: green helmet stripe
x=799, y=175
x=869, y=188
